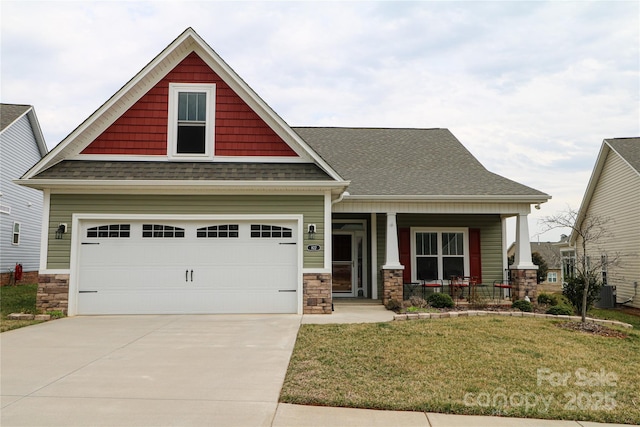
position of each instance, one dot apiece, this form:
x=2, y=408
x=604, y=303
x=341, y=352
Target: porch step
x=356, y=301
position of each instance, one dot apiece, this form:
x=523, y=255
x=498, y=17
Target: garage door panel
x=190, y=274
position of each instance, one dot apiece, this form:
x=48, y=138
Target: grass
x=472, y=365
x=17, y=299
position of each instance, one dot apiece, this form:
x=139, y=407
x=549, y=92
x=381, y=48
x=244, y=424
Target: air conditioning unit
x=607, y=297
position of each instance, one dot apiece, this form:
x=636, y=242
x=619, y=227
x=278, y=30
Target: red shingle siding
x=143, y=128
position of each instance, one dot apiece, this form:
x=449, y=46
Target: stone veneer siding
x=316, y=293
x=391, y=285
x=525, y=283
x=53, y=292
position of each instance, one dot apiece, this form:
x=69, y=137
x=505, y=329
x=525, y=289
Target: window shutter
x=475, y=261
x=404, y=243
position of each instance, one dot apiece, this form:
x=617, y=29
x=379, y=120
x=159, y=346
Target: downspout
x=635, y=293
x=339, y=199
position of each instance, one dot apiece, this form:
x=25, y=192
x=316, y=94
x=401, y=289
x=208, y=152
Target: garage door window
x=218, y=231
x=161, y=231
x=269, y=231
x=110, y=231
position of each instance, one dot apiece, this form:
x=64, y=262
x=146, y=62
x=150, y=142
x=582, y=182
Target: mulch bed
x=592, y=328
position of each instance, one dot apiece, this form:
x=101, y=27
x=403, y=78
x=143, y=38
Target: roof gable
x=142, y=129
x=112, y=115
x=628, y=149
x=10, y=113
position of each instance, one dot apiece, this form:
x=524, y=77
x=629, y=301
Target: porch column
x=523, y=274
x=392, y=283
x=522, y=257
x=392, y=254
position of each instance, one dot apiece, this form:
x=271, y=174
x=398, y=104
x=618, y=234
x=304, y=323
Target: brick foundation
x=316, y=297
x=28, y=277
x=53, y=292
x=525, y=283
x=391, y=285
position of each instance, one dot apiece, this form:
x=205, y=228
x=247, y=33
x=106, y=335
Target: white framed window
x=552, y=277
x=439, y=253
x=15, y=235
x=191, y=127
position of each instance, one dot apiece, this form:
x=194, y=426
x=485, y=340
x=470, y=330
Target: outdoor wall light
x=311, y=230
x=62, y=228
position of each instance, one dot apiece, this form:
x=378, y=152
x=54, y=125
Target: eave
x=183, y=187
x=444, y=198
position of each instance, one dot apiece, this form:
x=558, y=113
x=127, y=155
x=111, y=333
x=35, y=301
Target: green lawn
x=17, y=299
x=508, y=366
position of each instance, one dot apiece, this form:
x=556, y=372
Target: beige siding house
x=613, y=193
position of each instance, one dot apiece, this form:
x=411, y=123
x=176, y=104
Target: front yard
x=519, y=367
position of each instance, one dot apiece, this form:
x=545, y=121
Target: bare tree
x=588, y=232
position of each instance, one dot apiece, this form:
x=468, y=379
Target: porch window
x=440, y=254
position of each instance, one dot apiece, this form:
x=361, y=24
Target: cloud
x=530, y=88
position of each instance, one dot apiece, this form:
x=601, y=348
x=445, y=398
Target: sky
x=530, y=88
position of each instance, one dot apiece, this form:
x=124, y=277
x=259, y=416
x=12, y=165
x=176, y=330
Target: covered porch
x=415, y=252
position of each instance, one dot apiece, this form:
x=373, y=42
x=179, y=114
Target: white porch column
x=374, y=256
x=392, y=260
x=522, y=258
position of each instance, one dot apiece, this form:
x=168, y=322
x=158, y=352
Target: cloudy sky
x=531, y=88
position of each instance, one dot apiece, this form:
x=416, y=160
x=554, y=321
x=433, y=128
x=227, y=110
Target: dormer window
x=191, y=121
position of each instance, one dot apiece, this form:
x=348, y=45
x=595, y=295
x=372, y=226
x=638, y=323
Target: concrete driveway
x=181, y=370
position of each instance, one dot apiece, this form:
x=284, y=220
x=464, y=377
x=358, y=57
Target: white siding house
x=21, y=146
x=613, y=194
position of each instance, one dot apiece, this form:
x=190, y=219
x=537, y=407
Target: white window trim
x=439, y=230
x=13, y=233
x=554, y=275
x=172, y=125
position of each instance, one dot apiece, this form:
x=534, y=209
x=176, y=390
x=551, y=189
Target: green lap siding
x=490, y=237
x=63, y=206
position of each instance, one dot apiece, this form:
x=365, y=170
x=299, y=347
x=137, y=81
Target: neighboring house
x=21, y=146
x=186, y=193
x=550, y=252
x=613, y=193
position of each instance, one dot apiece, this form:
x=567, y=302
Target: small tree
x=543, y=268
x=588, y=231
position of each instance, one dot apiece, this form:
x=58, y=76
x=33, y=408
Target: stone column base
x=392, y=285
x=316, y=293
x=525, y=283
x=53, y=292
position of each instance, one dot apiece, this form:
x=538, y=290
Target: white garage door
x=161, y=267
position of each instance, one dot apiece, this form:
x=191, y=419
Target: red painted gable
x=142, y=129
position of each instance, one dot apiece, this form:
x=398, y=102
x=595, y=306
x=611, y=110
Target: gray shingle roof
x=10, y=112
x=407, y=162
x=194, y=171
x=629, y=149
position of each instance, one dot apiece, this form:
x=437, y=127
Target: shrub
x=522, y=305
x=393, y=304
x=558, y=310
x=574, y=287
x=417, y=302
x=547, y=299
x=439, y=300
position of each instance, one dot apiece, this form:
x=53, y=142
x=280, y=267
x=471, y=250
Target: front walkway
x=352, y=311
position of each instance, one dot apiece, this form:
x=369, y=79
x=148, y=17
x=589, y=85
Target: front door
x=343, y=265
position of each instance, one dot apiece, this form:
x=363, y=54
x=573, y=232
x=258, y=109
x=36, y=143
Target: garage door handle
x=192, y=275
x=186, y=275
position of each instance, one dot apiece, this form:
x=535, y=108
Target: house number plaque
x=313, y=248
